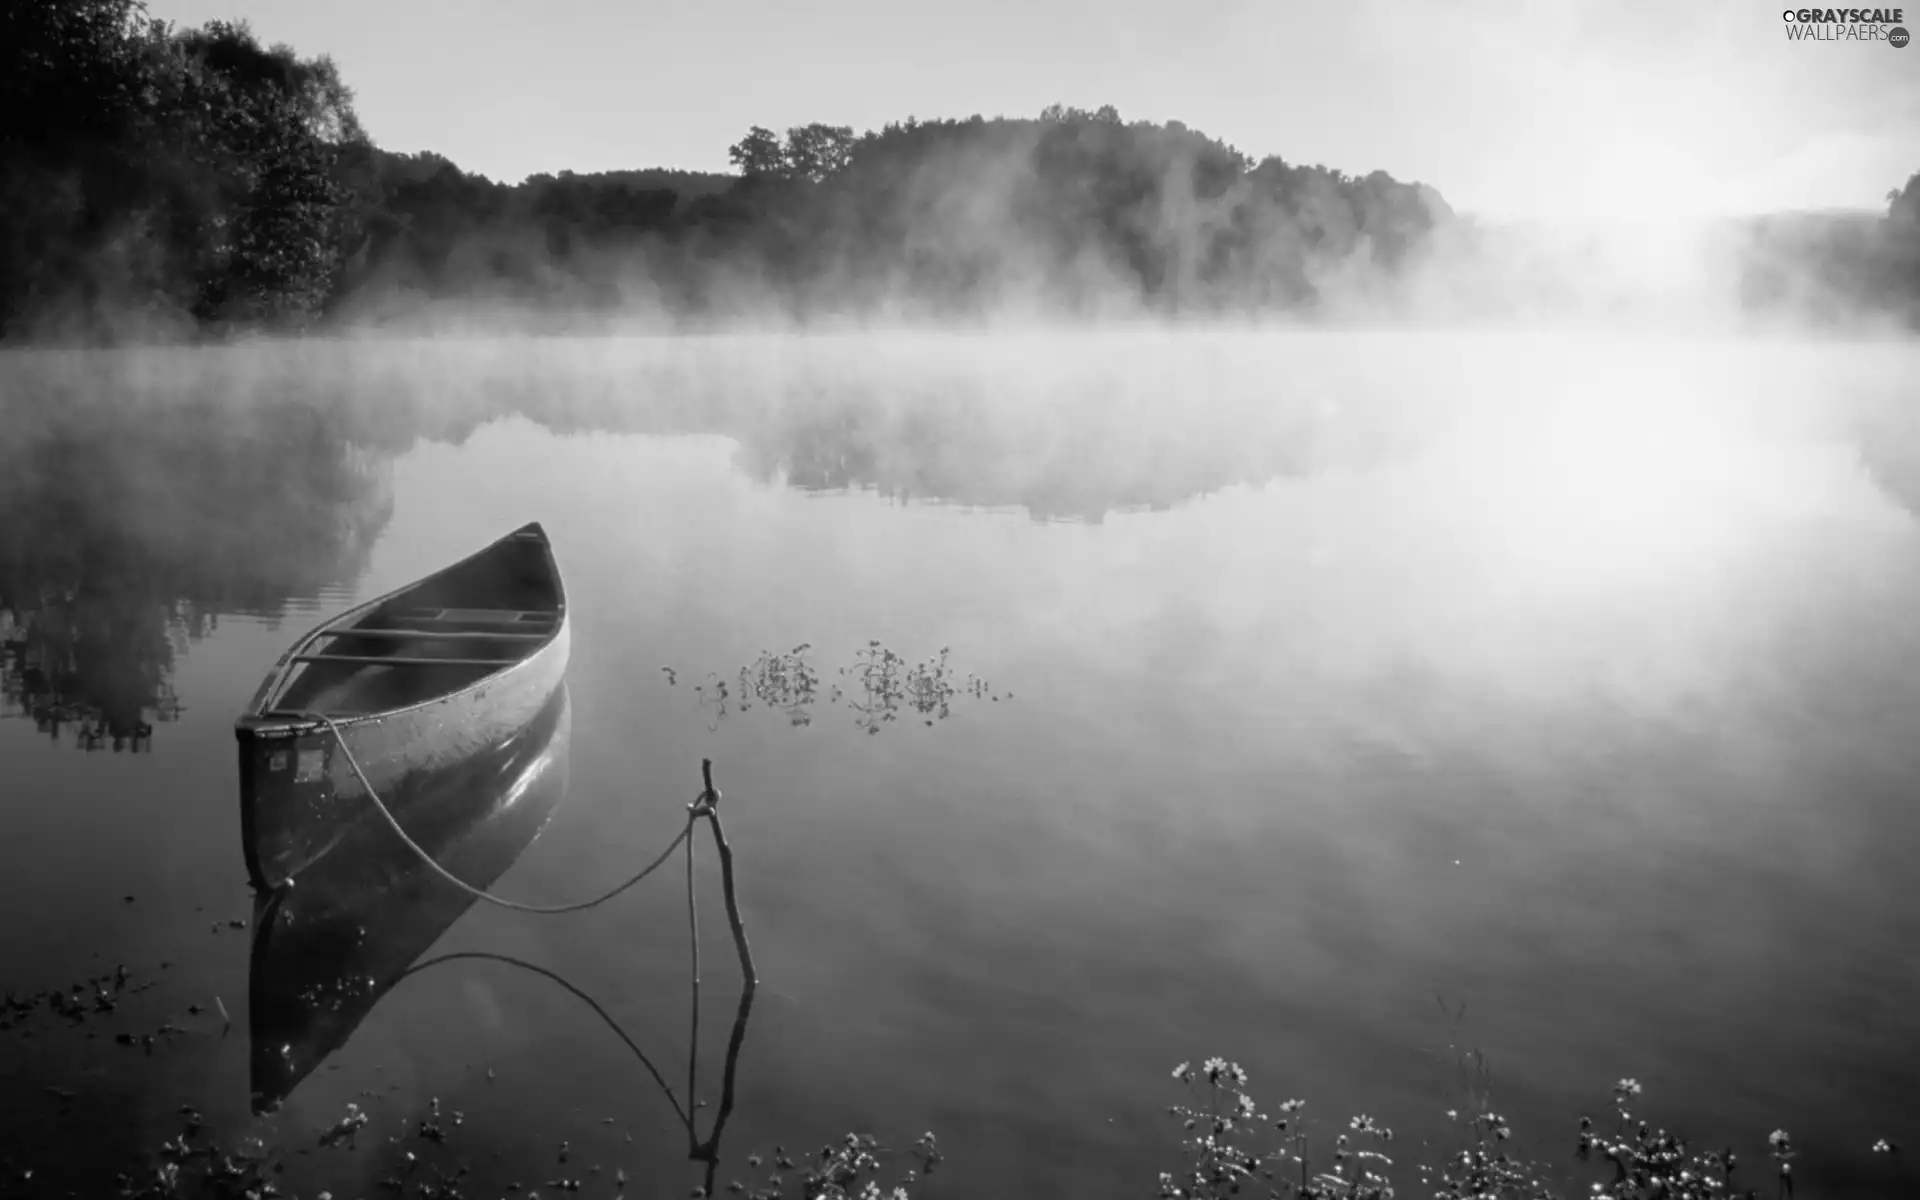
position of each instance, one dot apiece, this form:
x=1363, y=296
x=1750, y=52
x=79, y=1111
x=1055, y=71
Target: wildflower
x=1245, y=1103
x=1184, y=1073
x=1627, y=1087
x=1883, y=1146
x=1366, y=1124
x=1778, y=1140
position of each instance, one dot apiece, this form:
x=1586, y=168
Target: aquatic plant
x=184, y=1168
x=784, y=681
x=1219, y=1124
x=849, y=1169
x=1649, y=1163
x=880, y=686
x=889, y=684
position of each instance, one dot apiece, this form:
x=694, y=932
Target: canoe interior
x=443, y=634
x=326, y=951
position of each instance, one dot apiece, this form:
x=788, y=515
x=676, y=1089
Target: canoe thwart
x=504, y=616
x=436, y=635
x=384, y=660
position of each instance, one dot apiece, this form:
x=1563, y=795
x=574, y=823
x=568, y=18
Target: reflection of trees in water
x=130, y=528
x=73, y=662
x=1070, y=430
x=880, y=686
x=1887, y=444
x=1066, y=451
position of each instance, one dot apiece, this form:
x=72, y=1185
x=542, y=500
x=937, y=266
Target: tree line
x=162, y=181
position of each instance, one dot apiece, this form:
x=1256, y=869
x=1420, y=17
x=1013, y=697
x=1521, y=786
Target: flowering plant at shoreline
x=1221, y=1122
x=1221, y=1163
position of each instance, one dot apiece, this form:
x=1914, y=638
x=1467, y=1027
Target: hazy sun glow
x=1586, y=495
x=1579, y=494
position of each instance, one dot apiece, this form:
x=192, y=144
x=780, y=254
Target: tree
x=82, y=85
x=273, y=127
x=759, y=154
x=152, y=171
x=816, y=151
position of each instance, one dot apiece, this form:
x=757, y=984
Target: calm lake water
x=1299, y=680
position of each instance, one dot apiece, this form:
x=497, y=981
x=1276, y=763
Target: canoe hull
x=300, y=795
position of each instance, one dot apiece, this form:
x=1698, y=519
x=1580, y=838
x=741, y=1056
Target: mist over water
x=1567, y=675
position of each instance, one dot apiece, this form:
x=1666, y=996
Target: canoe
x=417, y=681
x=326, y=952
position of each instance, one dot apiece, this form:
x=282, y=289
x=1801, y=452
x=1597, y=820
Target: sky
x=1630, y=109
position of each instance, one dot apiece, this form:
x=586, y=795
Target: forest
x=165, y=183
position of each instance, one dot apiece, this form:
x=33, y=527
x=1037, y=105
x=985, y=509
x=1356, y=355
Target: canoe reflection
x=326, y=951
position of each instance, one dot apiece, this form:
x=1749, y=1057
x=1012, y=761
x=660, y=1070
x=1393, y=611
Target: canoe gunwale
x=263, y=722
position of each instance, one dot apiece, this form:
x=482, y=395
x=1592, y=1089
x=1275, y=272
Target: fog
x=1589, y=488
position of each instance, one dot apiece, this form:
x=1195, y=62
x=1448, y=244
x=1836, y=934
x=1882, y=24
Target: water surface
x=1317, y=676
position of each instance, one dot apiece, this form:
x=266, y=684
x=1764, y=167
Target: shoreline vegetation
x=1646, y=1162
x=1621, y=1156
x=169, y=184
x=1227, y=1145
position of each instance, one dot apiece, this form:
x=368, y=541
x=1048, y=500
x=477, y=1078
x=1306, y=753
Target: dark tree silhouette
x=813, y=152
x=759, y=153
x=164, y=176
x=160, y=181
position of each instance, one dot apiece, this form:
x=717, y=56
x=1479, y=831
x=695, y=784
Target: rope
x=697, y=809
x=605, y=1016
